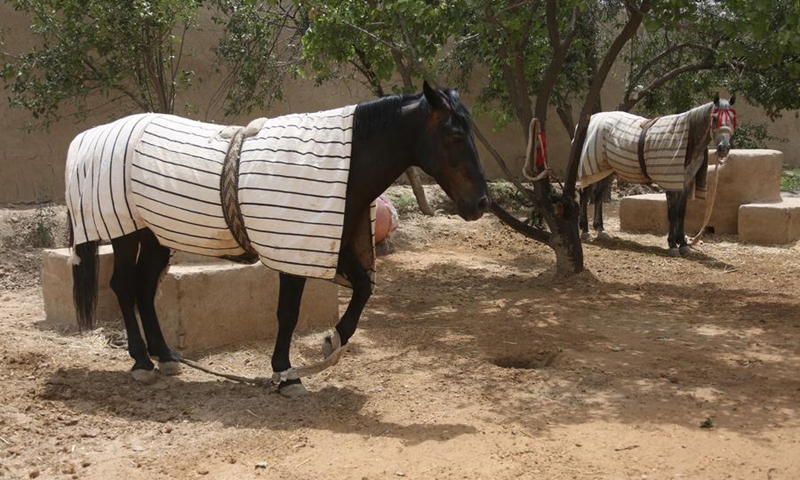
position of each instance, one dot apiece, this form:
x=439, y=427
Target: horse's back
x=150, y=170
x=175, y=184
x=611, y=145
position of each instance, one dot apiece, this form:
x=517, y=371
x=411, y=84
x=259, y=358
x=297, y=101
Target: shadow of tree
x=621, y=244
x=334, y=409
x=637, y=354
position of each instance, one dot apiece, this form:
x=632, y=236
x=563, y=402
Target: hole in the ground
x=525, y=362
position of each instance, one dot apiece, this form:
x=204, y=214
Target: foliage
x=128, y=51
x=753, y=135
x=260, y=46
x=377, y=39
x=682, y=57
x=404, y=204
x=510, y=41
x=132, y=53
x=790, y=181
x=506, y=195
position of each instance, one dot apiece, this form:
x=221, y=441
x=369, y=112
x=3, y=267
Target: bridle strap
x=724, y=118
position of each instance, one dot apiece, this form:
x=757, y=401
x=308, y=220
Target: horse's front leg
x=676, y=211
x=599, y=193
x=289, y=296
x=362, y=290
x=583, y=220
x=683, y=246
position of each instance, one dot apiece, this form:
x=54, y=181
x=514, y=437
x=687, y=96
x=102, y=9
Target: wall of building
x=32, y=163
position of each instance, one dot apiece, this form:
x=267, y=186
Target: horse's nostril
x=483, y=203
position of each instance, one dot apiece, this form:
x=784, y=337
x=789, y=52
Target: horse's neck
x=380, y=159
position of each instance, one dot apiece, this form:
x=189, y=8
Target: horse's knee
x=124, y=286
x=287, y=317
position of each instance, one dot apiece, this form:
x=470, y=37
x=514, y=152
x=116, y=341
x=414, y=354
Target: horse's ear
x=732, y=100
x=716, y=99
x=434, y=97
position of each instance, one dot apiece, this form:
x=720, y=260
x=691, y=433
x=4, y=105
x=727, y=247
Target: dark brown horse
x=431, y=130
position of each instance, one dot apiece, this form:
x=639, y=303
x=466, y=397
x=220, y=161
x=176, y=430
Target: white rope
x=294, y=373
x=709, y=202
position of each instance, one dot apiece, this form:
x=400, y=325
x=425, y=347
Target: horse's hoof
x=170, y=368
x=294, y=390
x=330, y=344
x=603, y=235
x=685, y=250
x=146, y=377
x=585, y=236
x=674, y=252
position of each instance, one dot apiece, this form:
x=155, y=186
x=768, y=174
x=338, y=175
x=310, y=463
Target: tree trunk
x=566, y=242
x=419, y=191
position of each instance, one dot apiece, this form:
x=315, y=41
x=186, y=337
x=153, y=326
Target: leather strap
x=642, y=137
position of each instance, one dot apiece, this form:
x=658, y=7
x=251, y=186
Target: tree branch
x=627, y=32
x=521, y=227
x=672, y=49
x=628, y=103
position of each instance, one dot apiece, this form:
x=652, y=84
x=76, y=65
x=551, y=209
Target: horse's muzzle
x=723, y=150
x=476, y=211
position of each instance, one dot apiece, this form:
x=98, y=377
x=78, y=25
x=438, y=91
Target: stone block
x=57, y=287
x=645, y=213
x=748, y=176
x=200, y=305
x=770, y=223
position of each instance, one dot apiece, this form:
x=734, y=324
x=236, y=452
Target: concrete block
x=200, y=305
x=57, y=287
x=748, y=176
x=770, y=223
x=645, y=213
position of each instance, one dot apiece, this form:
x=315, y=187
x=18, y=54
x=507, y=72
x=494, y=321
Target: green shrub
x=790, y=180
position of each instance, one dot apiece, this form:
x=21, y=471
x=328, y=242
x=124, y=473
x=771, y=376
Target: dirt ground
x=471, y=362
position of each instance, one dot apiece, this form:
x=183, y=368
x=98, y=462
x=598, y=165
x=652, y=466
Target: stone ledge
x=200, y=306
x=748, y=176
x=770, y=223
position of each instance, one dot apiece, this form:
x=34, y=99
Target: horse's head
x=723, y=124
x=446, y=151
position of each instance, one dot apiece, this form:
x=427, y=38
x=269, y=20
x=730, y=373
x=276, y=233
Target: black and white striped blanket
x=612, y=146
x=163, y=172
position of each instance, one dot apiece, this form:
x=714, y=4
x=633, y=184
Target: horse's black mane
x=378, y=115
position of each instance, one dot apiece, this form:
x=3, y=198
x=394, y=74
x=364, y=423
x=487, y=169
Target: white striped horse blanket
x=163, y=172
x=612, y=146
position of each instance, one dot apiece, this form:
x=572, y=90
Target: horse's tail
x=85, y=267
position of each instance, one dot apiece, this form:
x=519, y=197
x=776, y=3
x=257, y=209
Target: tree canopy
x=134, y=52
x=534, y=53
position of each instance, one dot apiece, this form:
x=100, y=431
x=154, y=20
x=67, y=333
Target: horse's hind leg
x=289, y=297
x=123, y=283
x=153, y=259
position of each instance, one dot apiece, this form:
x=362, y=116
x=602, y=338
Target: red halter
x=725, y=118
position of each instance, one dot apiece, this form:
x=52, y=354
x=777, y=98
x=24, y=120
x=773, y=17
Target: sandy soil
x=471, y=362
